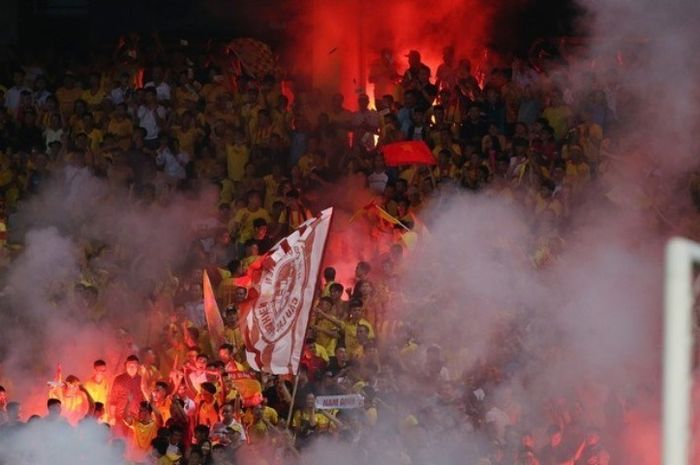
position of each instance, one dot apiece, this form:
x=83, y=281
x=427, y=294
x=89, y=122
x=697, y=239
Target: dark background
x=84, y=24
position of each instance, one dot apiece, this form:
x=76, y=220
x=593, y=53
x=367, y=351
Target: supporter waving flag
x=274, y=321
x=379, y=212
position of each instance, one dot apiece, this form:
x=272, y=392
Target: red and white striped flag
x=274, y=321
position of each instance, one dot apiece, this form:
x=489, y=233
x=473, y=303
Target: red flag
x=274, y=321
x=408, y=153
x=215, y=323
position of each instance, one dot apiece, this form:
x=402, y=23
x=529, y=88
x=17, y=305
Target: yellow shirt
x=328, y=342
x=249, y=113
x=261, y=135
x=247, y=261
x=165, y=460
x=371, y=416
x=306, y=164
x=237, y=157
x=322, y=423
x=258, y=430
x=270, y=415
x=98, y=391
x=245, y=219
x=212, y=91
x=233, y=336
x=326, y=292
x=76, y=125
x=207, y=414
x=282, y=122
x=74, y=407
x=187, y=138
x=182, y=96
x=350, y=332
x=67, y=97
x=227, y=190
x=164, y=409
x=91, y=99
x=271, y=187
x=122, y=130
x=228, y=118
x=95, y=138
x=321, y=352
x=558, y=118
x=357, y=353
x=143, y=434
x=578, y=174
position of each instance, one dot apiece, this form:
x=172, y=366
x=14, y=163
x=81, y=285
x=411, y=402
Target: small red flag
x=408, y=153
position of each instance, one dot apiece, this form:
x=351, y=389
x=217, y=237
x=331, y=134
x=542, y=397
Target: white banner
x=274, y=325
x=340, y=402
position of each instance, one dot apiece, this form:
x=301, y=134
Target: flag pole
x=398, y=221
x=291, y=403
x=432, y=177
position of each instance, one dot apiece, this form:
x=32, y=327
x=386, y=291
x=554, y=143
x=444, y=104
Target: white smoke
x=43, y=442
x=79, y=229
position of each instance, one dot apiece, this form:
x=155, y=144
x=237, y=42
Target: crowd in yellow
x=156, y=119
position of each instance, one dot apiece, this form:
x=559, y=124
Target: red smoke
x=338, y=40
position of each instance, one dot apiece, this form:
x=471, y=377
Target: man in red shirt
x=125, y=396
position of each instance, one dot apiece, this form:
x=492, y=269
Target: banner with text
x=274, y=322
x=340, y=402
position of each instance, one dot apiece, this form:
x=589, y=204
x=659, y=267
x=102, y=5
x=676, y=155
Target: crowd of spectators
x=160, y=120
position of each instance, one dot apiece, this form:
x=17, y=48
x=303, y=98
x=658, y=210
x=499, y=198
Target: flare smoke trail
x=336, y=42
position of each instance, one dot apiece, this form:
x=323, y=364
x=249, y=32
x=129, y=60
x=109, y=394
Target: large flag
x=274, y=321
x=215, y=324
x=408, y=153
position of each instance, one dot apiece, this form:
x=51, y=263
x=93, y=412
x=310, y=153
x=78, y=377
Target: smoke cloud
x=584, y=333
x=592, y=329
x=42, y=442
x=121, y=248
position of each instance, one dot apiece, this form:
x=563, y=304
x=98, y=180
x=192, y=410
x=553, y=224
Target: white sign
x=340, y=402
